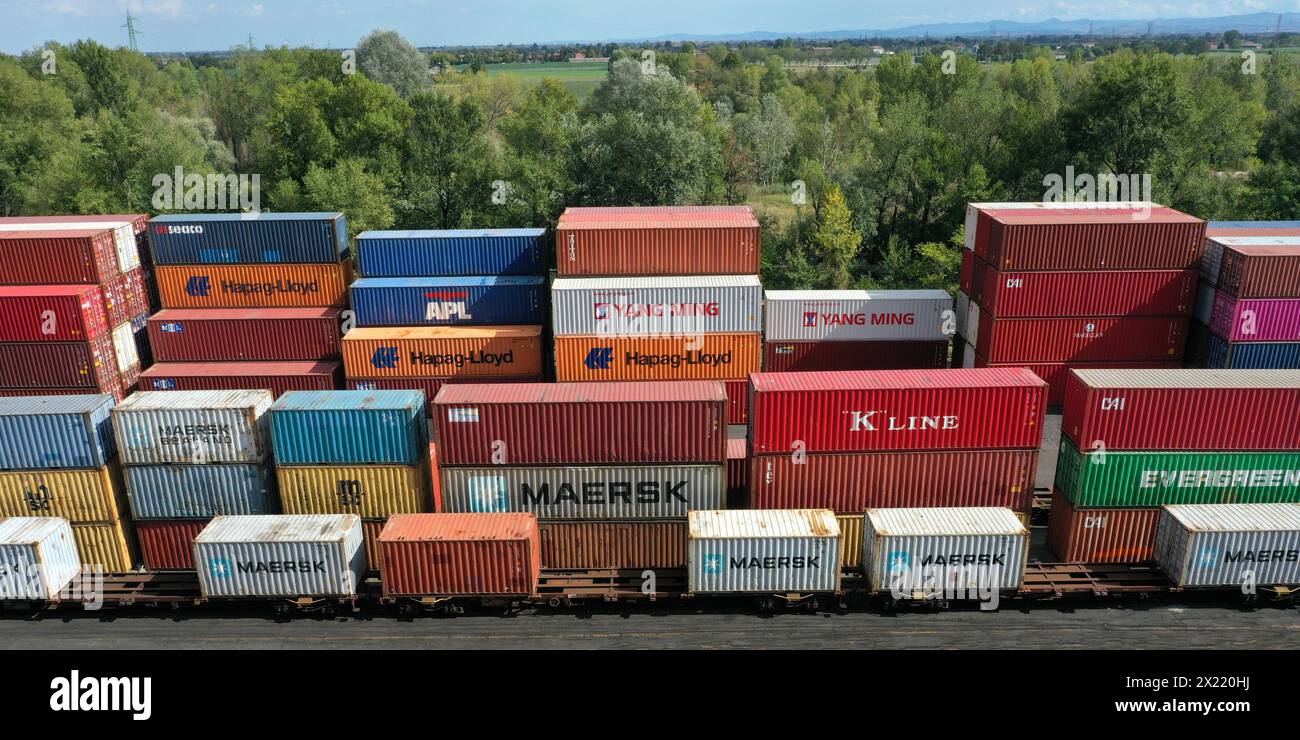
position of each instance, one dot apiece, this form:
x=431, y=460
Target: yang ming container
x=443, y=351
x=700, y=240
x=1256, y=319
x=781, y=357
x=452, y=252
x=1257, y=270
x=73, y=431
x=449, y=301
x=1110, y=535
x=1230, y=545
x=1103, y=293
x=906, y=550
x=200, y=491
x=657, y=357
x=193, y=427
x=76, y=495
x=40, y=558
x=1220, y=353
x=460, y=555
x=285, y=556
x=853, y=315
x=255, y=334
x=243, y=238
x=349, y=428
x=1083, y=339
x=51, y=313
x=369, y=491
x=277, y=377
x=277, y=285
x=613, y=545
x=657, y=305
x=771, y=551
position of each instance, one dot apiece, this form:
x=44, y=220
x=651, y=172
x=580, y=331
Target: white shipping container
x=1231, y=545
x=969, y=548
x=961, y=309
x=657, y=305
x=855, y=315
x=285, y=555
x=763, y=551
x=193, y=427
x=38, y=557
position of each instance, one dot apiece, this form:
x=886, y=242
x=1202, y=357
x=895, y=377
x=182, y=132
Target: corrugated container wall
x=58, y=256
x=850, y=315
x=692, y=357
x=276, y=285
x=167, y=544
x=1096, y=339
x=277, y=377
x=1230, y=545
x=193, y=427
x=1093, y=239
x=105, y=546
x=460, y=554
x=657, y=305
x=600, y=545
x=1111, y=293
x=774, y=551
x=267, y=334
x=1261, y=271
x=614, y=492
x=286, y=556
x=242, y=238
x=780, y=357
x=452, y=252
x=369, y=491
x=449, y=301
x=1222, y=354
x=200, y=491
x=638, y=242
x=35, y=365
x=439, y=351
x=1057, y=373
x=72, y=431
x=1113, y=535
x=911, y=549
x=40, y=557
x=1256, y=320
x=349, y=428
x=51, y=313
x=91, y=495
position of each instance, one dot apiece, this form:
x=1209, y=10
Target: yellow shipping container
x=850, y=541
x=370, y=491
x=657, y=357
x=96, y=495
x=109, y=545
x=443, y=351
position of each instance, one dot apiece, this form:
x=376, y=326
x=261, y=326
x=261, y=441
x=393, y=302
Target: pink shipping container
x=1256, y=319
x=571, y=423
x=1090, y=239
x=1102, y=293
x=279, y=377
x=674, y=241
x=1261, y=272
x=51, y=313
x=1057, y=373
x=600, y=545
x=45, y=257
x=168, y=544
x=853, y=355
x=460, y=554
x=1095, y=339
x=430, y=386
x=90, y=364
x=896, y=410
x=215, y=334
x=1101, y=535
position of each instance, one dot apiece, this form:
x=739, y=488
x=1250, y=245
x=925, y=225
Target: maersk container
x=275, y=285
x=1083, y=339
x=285, y=556
x=257, y=334
x=200, y=491
x=1056, y=374
x=64, y=431
x=76, y=495
x=1111, y=535
x=39, y=555
x=277, y=377
x=452, y=252
x=1220, y=353
x=51, y=313
x=1101, y=293
x=193, y=427
x=449, y=301
x=855, y=315
x=248, y=238
x=1230, y=545
x=1256, y=319
x=780, y=357
x=443, y=351
x=349, y=428
x=701, y=240
x=771, y=551
x=1261, y=267
x=613, y=545
x=90, y=365
x=605, y=492
x=369, y=491
x=971, y=550
x=123, y=236
x=460, y=555
x=657, y=305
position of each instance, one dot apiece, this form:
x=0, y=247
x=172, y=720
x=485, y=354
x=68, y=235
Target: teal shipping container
x=349, y=428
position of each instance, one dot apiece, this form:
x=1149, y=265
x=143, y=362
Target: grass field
x=773, y=202
x=580, y=78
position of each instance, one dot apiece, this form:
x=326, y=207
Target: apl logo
x=602, y=311
x=599, y=358
x=1208, y=557
x=810, y=318
x=488, y=494
x=714, y=563
x=220, y=568
x=198, y=286
x=385, y=358
x=899, y=559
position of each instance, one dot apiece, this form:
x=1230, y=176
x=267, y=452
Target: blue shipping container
x=235, y=238
x=200, y=491
x=40, y=432
x=449, y=301
x=349, y=428
x=1222, y=354
x=452, y=252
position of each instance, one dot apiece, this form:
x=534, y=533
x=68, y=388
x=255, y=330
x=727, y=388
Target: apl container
x=668, y=240
x=168, y=544
x=452, y=252
x=606, y=492
x=684, y=357
x=288, y=556
x=76, y=495
x=442, y=351
x=449, y=301
x=257, y=334
x=1087, y=294
x=1084, y=339
x=200, y=491
x=1230, y=545
x=613, y=545
x=855, y=315
x=39, y=557
x=780, y=357
x=51, y=313
x=349, y=428
x=460, y=555
x=1220, y=353
x=277, y=285
x=772, y=551
x=1256, y=319
x=1261, y=267
x=369, y=491
x=277, y=377
x=657, y=305
x=193, y=427
x=64, y=431
x=1111, y=535
x=968, y=549
x=243, y=238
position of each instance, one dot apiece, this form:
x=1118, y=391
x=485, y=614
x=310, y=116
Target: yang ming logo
x=599, y=358
x=220, y=568
x=602, y=311
x=385, y=358
x=198, y=286
x=810, y=318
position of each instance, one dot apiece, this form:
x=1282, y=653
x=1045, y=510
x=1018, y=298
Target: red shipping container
x=430, y=386
x=168, y=544
x=90, y=364
x=966, y=278
x=370, y=529
x=215, y=334
x=779, y=357
x=116, y=390
x=1104, y=293
x=1101, y=535
x=737, y=400
x=600, y=545
x=460, y=554
x=1095, y=339
x=737, y=460
x=851, y=483
x=1090, y=239
x=46, y=257
x=1057, y=373
x=279, y=377
x=51, y=313
x=1261, y=272
x=637, y=241
x=1183, y=409
x=139, y=221
x=575, y=423
x=121, y=302
x=896, y=410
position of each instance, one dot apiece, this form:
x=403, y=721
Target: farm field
x=579, y=78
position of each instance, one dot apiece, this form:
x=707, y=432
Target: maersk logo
x=198, y=286
x=385, y=358
x=714, y=563
x=810, y=318
x=599, y=358
x=220, y=568
x=898, y=560
x=1208, y=557
x=488, y=494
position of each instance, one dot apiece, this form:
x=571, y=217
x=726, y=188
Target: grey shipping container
x=657, y=305
x=193, y=427
x=763, y=551
x=56, y=432
x=286, y=556
x=1230, y=545
x=38, y=557
x=854, y=315
x=200, y=491
x=969, y=548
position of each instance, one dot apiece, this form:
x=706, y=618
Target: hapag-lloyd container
x=460, y=555
x=600, y=545
x=40, y=557
x=907, y=550
x=200, y=491
x=1256, y=319
x=443, y=351
x=125, y=250
x=193, y=427
x=243, y=238
x=76, y=495
x=774, y=551
x=277, y=377
x=657, y=305
x=853, y=355
x=1056, y=374
x=168, y=544
x=51, y=313
x=449, y=301
x=581, y=423
x=65, y=431
x=90, y=365
x=277, y=285
x=289, y=556
x=681, y=357
x=257, y=334
x=1232, y=545
x=1220, y=353
x=1183, y=409
x=45, y=257
x=1107, y=293
x=635, y=241
x=896, y=410
x=1083, y=339
x=1260, y=267
x=854, y=315
x=851, y=483
x=1114, y=535
x=452, y=252
x=589, y=492
x=349, y=428
x=369, y=491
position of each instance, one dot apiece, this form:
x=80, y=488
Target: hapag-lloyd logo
x=872, y=421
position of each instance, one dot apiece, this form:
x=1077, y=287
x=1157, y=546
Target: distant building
x=580, y=57
x=878, y=50
x=1251, y=45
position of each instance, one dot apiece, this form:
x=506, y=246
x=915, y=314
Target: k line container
x=773, y=551
x=75, y=495
x=600, y=545
x=581, y=423
x=277, y=377
x=449, y=301
x=1057, y=374
x=86, y=255
x=168, y=544
x=857, y=315
x=453, y=252
x=606, y=492
x=657, y=305
x=1169, y=409
x=1254, y=270
x=51, y=313
x=1256, y=319
x=200, y=491
x=193, y=427
x=630, y=241
x=106, y=546
x=1230, y=544
x=439, y=351
x=349, y=428
x=369, y=491
x=851, y=483
x=266, y=334
x=460, y=555
x=906, y=550
x=687, y=357
x=1114, y=535
x=242, y=238
x=1220, y=353
x=896, y=410
x=90, y=365
x=64, y=431
x=1088, y=294
x=288, y=556
x=39, y=555
x=276, y=285
x=852, y=355
x=1091, y=339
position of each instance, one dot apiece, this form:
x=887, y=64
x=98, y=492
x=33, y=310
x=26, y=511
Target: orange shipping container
x=254, y=286
x=695, y=357
x=442, y=351
x=699, y=240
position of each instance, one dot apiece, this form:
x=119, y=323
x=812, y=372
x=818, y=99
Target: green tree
x=385, y=57
x=348, y=188
x=834, y=239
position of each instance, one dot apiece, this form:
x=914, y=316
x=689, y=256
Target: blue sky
x=169, y=25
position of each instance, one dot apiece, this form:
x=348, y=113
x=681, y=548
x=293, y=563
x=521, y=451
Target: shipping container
x=441, y=351
x=1256, y=319
x=449, y=301
x=115, y=390
x=200, y=491
x=248, y=238
x=1218, y=239
x=64, y=431
x=772, y=551
x=623, y=545
x=699, y=241
x=370, y=530
x=1230, y=545
x=254, y=286
x=349, y=428
x=851, y=534
x=76, y=495
x=896, y=410
x=45, y=257
x=1220, y=353
x=970, y=550
x=193, y=427
x=1203, y=308
x=121, y=234
x=40, y=558
x=1183, y=409
x=123, y=297
x=1252, y=268
x=851, y=483
x=428, y=386
x=452, y=252
x=168, y=544
x=687, y=357
x=856, y=315
x=51, y=313
x=265, y=334
x=581, y=423
x=979, y=216
x=138, y=221
x=1092, y=339
x=1087, y=294
x=968, y=274
x=737, y=400
x=106, y=546
x=737, y=465
x=369, y=491
x=90, y=365
x=277, y=377
x=460, y=555
x=1113, y=535
x=289, y=556
x=1056, y=374
x=779, y=357
x=657, y=305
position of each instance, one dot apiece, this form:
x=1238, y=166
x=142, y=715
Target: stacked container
x=189, y=456
x=1248, y=305
x=1135, y=440
x=249, y=301
x=1058, y=286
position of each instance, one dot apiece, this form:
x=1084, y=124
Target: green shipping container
x=1106, y=479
